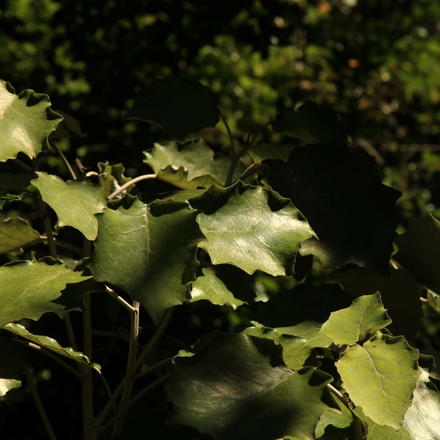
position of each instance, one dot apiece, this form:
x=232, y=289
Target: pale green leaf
x=365, y=316
x=7, y=385
x=145, y=255
x=246, y=233
x=28, y=289
x=189, y=165
x=211, y=288
x=26, y=121
x=16, y=232
x=230, y=391
x=380, y=377
x=51, y=345
x=75, y=203
x=297, y=341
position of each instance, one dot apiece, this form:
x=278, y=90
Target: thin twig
x=122, y=188
x=48, y=228
x=154, y=367
x=39, y=405
x=69, y=330
x=130, y=371
x=147, y=389
x=66, y=162
x=230, y=136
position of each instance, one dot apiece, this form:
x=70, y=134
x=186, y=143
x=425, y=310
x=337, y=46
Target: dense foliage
x=256, y=291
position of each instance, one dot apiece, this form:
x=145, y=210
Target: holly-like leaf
x=189, y=165
x=28, y=289
x=248, y=234
x=75, y=203
x=16, y=232
x=297, y=341
x=419, y=250
x=179, y=106
x=365, y=316
x=51, y=345
x=311, y=124
x=399, y=292
x=339, y=191
x=211, y=288
x=230, y=391
x=26, y=121
x=380, y=377
x=148, y=256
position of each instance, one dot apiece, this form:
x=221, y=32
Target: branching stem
x=132, y=182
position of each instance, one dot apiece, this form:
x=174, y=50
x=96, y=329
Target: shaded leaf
x=209, y=287
x=16, y=232
x=51, y=345
x=75, y=203
x=365, y=316
x=248, y=234
x=147, y=256
x=310, y=123
x=399, y=291
x=28, y=289
x=230, y=391
x=179, y=106
x=11, y=366
x=380, y=377
x=339, y=191
x=419, y=250
x=26, y=121
x=188, y=165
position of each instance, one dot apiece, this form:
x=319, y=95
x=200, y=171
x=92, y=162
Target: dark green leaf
x=26, y=121
x=179, y=106
x=15, y=233
x=248, y=234
x=340, y=193
x=147, y=256
x=230, y=391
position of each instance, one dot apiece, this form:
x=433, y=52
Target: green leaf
x=230, y=391
x=365, y=316
x=419, y=250
x=145, y=255
x=339, y=191
x=11, y=367
x=16, y=232
x=75, y=203
x=311, y=124
x=380, y=377
x=248, y=234
x=51, y=345
x=189, y=165
x=179, y=106
x=26, y=121
x=297, y=341
x=28, y=289
x=209, y=287
x=399, y=292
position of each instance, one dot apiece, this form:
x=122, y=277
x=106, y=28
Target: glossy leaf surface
x=230, y=391
x=26, y=121
x=248, y=234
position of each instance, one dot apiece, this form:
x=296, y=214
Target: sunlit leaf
x=16, y=232
x=51, y=345
x=365, y=316
x=211, y=288
x=248, y=234
x=28, y=289
x=178, y=105
x=26, y=121
x=380, y=377
x=189, y=165
x=75, y=203
x=148, y=256
x=230, y=391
